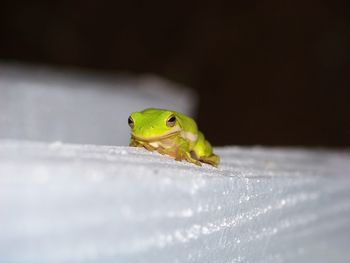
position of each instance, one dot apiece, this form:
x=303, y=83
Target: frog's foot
x=134, y=143
x=213, y=160
x=179, y=155
x=192, y=158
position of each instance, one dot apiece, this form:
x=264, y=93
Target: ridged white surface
x=79, y=203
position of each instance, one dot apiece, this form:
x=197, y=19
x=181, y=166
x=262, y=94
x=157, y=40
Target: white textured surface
x=71, y=203
x=79, y=107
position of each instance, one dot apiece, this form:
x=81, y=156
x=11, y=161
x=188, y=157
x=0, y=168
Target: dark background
x=267, y=72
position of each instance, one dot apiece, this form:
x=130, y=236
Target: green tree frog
x=171, y=133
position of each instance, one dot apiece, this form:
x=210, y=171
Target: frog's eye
x=171, y=121
x=130, y=122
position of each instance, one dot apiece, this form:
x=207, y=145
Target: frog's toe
x=134, y=144
x=189, y=158
x=213, y=160
x=196, y=162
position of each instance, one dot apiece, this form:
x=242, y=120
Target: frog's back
x=187, y=123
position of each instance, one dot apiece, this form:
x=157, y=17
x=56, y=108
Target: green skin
x=181, y=139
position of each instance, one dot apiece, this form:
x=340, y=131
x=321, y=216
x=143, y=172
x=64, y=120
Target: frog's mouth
x=156, y=138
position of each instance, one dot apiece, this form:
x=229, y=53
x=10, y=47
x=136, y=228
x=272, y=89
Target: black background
x=267, y=72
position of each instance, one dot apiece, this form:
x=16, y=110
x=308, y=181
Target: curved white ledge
x=82, y=203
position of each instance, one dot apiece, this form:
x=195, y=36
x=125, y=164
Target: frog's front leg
x=149, y=147
x=190, y=159
x=136, y=143
x=179, y=154
x=213, y=160
x=185, y=155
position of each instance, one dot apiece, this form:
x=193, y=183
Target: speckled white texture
x=46, y=104
x=81, y=203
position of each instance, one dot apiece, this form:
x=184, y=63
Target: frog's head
x=153, y=123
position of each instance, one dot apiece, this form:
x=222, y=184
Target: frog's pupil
x=172, y=119
x=130, y=122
